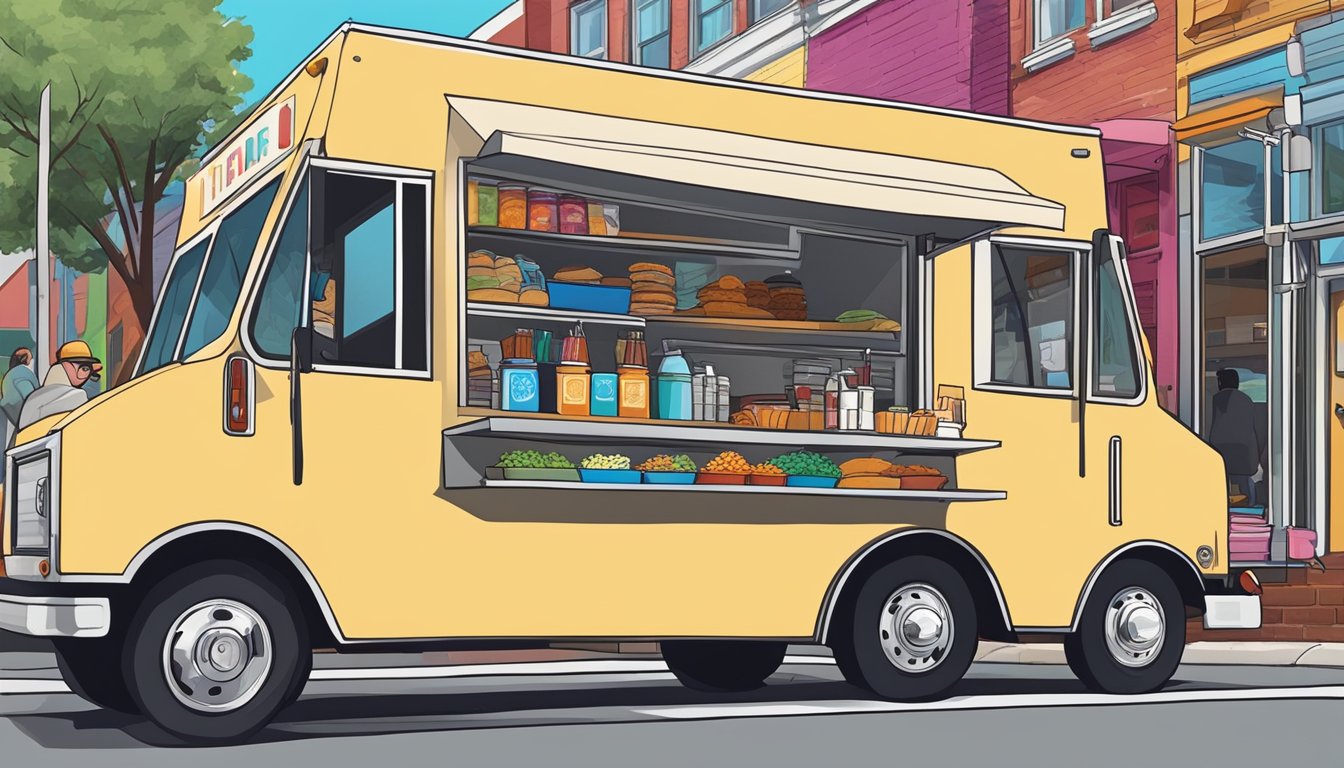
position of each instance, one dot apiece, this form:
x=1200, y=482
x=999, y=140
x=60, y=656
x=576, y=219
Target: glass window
x=1332, y=168
x=1232, y=189
x=1055, y=17
x=651, y=35
x=173, y=307
x=1332, y=250
x=367, y=292
x=223, y=279
x=1031, y=318
x=1116, y=365
x=588, y=29
x=712, y=21
x=1112, y=7
x=762, y=8
x=281, y=300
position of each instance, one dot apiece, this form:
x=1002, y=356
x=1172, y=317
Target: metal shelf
x=597, y=430
x=934, y=496
x=636, y=244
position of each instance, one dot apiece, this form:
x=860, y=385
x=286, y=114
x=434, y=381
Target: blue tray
x=669, y=478
x=589, y=298
x=624, y=476
x=812, y=481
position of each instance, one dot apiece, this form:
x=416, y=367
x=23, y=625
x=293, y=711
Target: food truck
x=470, y=346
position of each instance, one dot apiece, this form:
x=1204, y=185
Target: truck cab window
x=1115, y=366
x=173, y=306
x=1031, y=318
x=223, y=279
x=281, y=300
x=367, y=289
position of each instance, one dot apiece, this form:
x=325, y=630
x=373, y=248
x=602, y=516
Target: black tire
x=90, y=668
x=300, y=680
x=723, y=666
x=861, y=651
x=1087, y=650
x=257, y=590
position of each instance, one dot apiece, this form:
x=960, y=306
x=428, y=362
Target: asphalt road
x=576, y=713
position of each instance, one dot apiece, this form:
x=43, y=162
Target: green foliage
x=806, y=463
x=134, y=85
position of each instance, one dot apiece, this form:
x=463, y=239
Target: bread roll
x=653, y=297
x=651, y=309
x=731, y=309
x=730, y=283
x=480, y=259
x=616, y=282
x=535, y=297
x=648, y=266
x=652, y=276
x=493, y=295
x=578, y=274
x=865, y=466
x=707, y=295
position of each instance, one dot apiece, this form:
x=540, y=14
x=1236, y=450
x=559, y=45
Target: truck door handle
x=1113, y=499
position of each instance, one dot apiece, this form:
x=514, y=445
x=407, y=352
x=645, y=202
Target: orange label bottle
x=633, y=400
x=573, y=391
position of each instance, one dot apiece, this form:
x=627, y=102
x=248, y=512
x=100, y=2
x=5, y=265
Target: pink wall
x=949, y=53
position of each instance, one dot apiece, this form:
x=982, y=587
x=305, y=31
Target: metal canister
x=724, y=403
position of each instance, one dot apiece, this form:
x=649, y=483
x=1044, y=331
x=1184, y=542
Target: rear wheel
x=216, y=651
x=90, y=668
x=1132, y=632
x=722, y=666
x=912, y=633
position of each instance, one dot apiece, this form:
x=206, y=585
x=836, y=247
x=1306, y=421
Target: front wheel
x=216, y=651
x=722, y=666
x=89, y=668
x=1132, y=632
x=912, y=634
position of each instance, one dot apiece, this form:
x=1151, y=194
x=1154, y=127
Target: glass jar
x=573, y=215
x=633, y=402
x=543, y=210
x=487, y=204
x=572, y=383
x=513, y=206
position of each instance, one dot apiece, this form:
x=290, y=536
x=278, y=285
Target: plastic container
x=633, y=393
x=573, y=215
x=622, y=476
x=572, y=390
x=543, y=210
x=720, y=478
x=487, y=204
x=812, y=481
x=602, y=400
x=586, y=297
x=669, y=478
x=767, y=479
x=512, y=206
x=674, y=388
x=570, y=475
x=473, y=202
x=597, y=223
x=519, y=386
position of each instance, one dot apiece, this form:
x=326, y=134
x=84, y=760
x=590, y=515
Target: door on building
x=1335, y=416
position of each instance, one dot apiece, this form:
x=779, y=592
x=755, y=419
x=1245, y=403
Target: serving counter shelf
x=945, y=495
x=595, y=429
x=633, y=246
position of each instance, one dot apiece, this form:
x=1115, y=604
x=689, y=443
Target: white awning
x=909, y=189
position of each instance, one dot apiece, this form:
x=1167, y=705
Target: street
x=630, y=712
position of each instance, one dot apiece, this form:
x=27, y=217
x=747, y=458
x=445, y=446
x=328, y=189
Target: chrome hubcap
x=1136, y=627
x=916, y=628
x=217, y=655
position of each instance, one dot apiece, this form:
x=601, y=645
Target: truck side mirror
x=301, y=350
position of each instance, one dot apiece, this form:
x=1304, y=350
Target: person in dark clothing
x=1235, y=432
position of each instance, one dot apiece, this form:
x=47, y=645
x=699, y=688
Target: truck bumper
x=1231, y=611
x=46, y=616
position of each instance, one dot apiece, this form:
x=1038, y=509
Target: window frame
x=1131, y=317
x=1036, y=16
x=401, y=176
x=1251, y=235
x=982, y=344
x=754, y=15
x=576, y=10
x=635, y=43
x=207, y=233
x=697, y=49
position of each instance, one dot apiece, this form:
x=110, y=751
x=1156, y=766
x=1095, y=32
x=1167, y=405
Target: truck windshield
x=223, y=259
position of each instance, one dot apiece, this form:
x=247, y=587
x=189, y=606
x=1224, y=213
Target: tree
x=137, y=87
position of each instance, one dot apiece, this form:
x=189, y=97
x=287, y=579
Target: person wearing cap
x=61, y=391
x=18, y=384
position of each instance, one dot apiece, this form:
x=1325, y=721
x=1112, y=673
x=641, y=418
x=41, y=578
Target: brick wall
x=1310, y=607
x=1138, y=72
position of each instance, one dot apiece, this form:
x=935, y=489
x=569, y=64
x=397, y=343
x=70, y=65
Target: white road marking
x=998, y=701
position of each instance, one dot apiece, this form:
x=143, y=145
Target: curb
x=1203, y=652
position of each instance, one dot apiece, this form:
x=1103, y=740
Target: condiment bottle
x=674, y=388
x=634, y=392
x=575, y=347
x=512, y=206
x=518, y=386
x=832, y=401
x=572, y=384
x=847, y=400
x=636, y=352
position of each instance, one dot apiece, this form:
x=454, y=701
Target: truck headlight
x=32, y=500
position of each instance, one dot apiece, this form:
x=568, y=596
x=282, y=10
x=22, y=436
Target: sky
x=287, y=30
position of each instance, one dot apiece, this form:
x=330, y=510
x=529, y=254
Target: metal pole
x=42, y=333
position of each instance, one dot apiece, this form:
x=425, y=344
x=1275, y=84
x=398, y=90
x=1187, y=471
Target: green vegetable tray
x=812, y=481
x=541, y=473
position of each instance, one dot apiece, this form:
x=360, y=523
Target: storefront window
x=1331, y=172
x=1332, y=250
x=1032, y=318
x=1232, y=192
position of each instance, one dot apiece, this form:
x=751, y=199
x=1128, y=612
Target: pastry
x=617, y=282
x=534, y=297
x=495, y=295
x=651, y=309
x=707, y=295
x=480, y=272
x=731, y=309
x=641, y=285
x=788, y=302
x=653, y=276
x=758, y=294
x=653, y=297
x=788, y=314
x=648, y=266
x=865, y=466
x=728, y=282
x=480, y=259
x=578, y=274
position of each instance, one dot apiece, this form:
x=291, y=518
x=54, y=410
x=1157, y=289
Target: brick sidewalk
x=1309, y=606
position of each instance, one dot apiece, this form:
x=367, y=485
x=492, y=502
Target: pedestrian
x=1235, y=432
x=19, y=382
x=61, y=392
